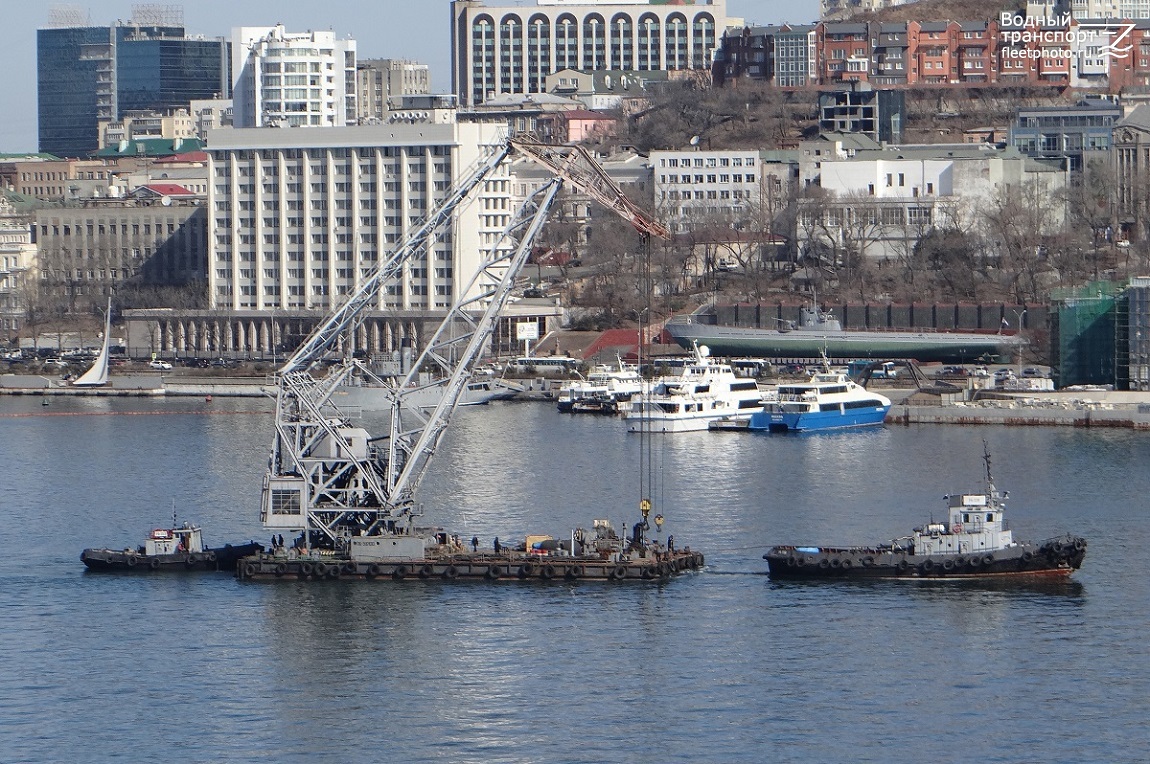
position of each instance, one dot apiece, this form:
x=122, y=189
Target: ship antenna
x=989, y=475
x=173, y=513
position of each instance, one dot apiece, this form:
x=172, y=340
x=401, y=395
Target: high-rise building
x=384, y=82
x=512, y=49
x=90, y=74
x=298, y=218
x=292, y=79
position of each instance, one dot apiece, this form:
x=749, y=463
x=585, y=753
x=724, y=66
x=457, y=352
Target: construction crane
x=334, y=480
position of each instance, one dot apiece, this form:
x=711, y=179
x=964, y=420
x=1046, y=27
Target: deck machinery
x=351, y=494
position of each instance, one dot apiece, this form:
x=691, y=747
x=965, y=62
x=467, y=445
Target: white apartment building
x=693, y=187
x=289, y=79
x=298, y=218
x=17, y=260
x=513, y=48
x=886, y=200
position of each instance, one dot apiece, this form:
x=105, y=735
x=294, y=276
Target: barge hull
x=265, y=567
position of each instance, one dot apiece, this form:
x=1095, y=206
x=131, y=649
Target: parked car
x=1032, y=371
x=1003, y=374
x=951, y=371
x=161, y=365
x=57, y=362
x=980, y=372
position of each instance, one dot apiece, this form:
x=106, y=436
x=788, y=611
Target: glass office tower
x=88, y=74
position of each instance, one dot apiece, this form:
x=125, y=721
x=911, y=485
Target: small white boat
x=704, y=391
x=605, y=387
x=367, y=395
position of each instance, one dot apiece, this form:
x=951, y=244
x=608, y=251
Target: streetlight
x=1019, y=335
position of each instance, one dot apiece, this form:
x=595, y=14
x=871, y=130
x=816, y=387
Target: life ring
x=280, y=569
x=494, y=571
x=400, y=572
x=250, y=570
x=619, y=572
x=154, y=564
x=320, y=569
x=548, y=571
x=132, y=560
x=426, y=571
x=450, y=572
x=956, y=527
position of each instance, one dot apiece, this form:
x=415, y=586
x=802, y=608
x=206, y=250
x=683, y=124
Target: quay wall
x=1136, y=418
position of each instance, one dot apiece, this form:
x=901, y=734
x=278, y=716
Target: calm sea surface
x=719, y=666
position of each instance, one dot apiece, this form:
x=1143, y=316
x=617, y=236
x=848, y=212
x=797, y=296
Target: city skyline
x=381, y=29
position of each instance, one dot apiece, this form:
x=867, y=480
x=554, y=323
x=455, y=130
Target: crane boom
x=326, y=475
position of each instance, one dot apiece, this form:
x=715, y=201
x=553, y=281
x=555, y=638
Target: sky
x=413, y=29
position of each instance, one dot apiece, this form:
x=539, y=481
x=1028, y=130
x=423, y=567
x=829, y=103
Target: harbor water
x=719, y=666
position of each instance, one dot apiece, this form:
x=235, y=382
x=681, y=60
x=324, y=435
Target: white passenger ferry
x=704, y=391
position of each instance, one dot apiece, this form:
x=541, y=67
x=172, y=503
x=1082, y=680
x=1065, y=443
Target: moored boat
x=175, y=548
x=829, y=401
x=704, y=391
x=974, y=542
x=605, y=388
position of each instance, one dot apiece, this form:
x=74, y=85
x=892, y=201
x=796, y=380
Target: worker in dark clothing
x=474, y=543
x=497, y=546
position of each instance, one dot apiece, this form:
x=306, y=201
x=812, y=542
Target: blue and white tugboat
x=973, y=543
x=828, y=401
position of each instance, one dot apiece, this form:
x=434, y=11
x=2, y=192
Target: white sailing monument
x=97, y=375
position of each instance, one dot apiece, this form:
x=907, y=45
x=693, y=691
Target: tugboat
x=973, y=543
x=175, y=548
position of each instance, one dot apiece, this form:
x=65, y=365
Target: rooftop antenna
x=68, y=17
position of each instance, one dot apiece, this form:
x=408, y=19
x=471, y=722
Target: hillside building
x=512, y=49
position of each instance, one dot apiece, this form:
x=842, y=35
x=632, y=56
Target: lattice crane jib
x=328, y=475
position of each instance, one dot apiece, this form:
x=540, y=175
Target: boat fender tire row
x=320, y=569
x=868, y=561
x=280, y=569
x=450, y=572
x=1079, y=545
x=948, y=565
x=374, y=570
x=847, y=563
x=132, y=560
x=648, y=572
x=1027, y=556
x=350, y=568
x=619, y=573
x=494, y=571
x=792, y=562
x=988, y=559
x=427, y=571
x=400, y=573
x=927, y=566
x=959, y=561
x=903, y=566
x=154, y=564
x=837, y=563
x=250, y=569
x=824, y=563
x=574, y=572
x=527, y=570
x=306, y=568
x=548, y=571
x=334, y=570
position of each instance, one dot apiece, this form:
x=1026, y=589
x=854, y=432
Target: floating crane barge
x=350, y=495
